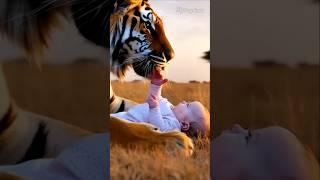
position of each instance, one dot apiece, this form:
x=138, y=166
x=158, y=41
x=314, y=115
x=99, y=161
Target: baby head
x=268, y=153
x=193, y=117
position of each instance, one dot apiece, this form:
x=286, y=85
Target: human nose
x=237, y=129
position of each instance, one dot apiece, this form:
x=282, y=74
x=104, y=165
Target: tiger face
x=138, y=39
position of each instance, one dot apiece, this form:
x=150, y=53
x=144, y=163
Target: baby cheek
x=182, y=106
x=179, y=113
x=227, y=158
x=182, y=110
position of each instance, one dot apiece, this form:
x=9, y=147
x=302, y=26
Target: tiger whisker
x=52, y=2
x=86, y=13
x=147, y=69
x=100, y=8
x=34, y=12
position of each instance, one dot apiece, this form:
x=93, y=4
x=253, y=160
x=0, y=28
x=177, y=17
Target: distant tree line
x=266, y=63
x=262, y=63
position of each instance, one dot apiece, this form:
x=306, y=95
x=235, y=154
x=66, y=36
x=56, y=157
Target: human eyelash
x=248, y=137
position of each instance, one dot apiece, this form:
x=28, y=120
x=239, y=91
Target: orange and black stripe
x=37, y=148
x=122, y=105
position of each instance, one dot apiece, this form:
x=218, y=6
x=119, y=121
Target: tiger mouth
x=158, y=59
x=161, y=62
x=145, y=67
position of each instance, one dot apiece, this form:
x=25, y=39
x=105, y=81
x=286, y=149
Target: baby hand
x=157, y=78
x=152, y=101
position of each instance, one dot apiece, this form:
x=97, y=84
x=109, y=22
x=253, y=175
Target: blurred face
x=188, y=112
x=266, y=153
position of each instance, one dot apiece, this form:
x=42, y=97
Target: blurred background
x=75, y=93
x=187, y=25
x=265, y=66
x=71, y=84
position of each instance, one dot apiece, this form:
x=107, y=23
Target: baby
x=191, y=118
x=271, y=153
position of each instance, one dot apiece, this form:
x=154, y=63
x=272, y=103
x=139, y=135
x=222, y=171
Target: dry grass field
x=76, y=94
x=253, y=98
x=142, y=164
x=72, y=93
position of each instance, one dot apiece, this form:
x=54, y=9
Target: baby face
x=187, y=112
x=268, y=153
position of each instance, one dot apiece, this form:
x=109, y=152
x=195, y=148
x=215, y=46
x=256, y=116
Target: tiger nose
x=169, y=55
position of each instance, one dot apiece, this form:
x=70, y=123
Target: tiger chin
x=137, y=40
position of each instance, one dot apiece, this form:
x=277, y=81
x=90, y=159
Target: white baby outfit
x=161, y=117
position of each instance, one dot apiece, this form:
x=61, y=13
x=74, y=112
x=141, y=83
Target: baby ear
x=185, y=126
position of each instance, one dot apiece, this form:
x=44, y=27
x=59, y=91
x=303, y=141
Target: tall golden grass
x=156, y=164
x=76, y=94
x=141, y=164
x=253, y=98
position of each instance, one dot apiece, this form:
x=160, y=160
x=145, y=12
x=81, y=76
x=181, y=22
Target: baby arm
x=155, y=90
x=157, y=81
x=156, y=118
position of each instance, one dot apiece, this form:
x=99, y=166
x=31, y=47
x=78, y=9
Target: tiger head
x=137, y=39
